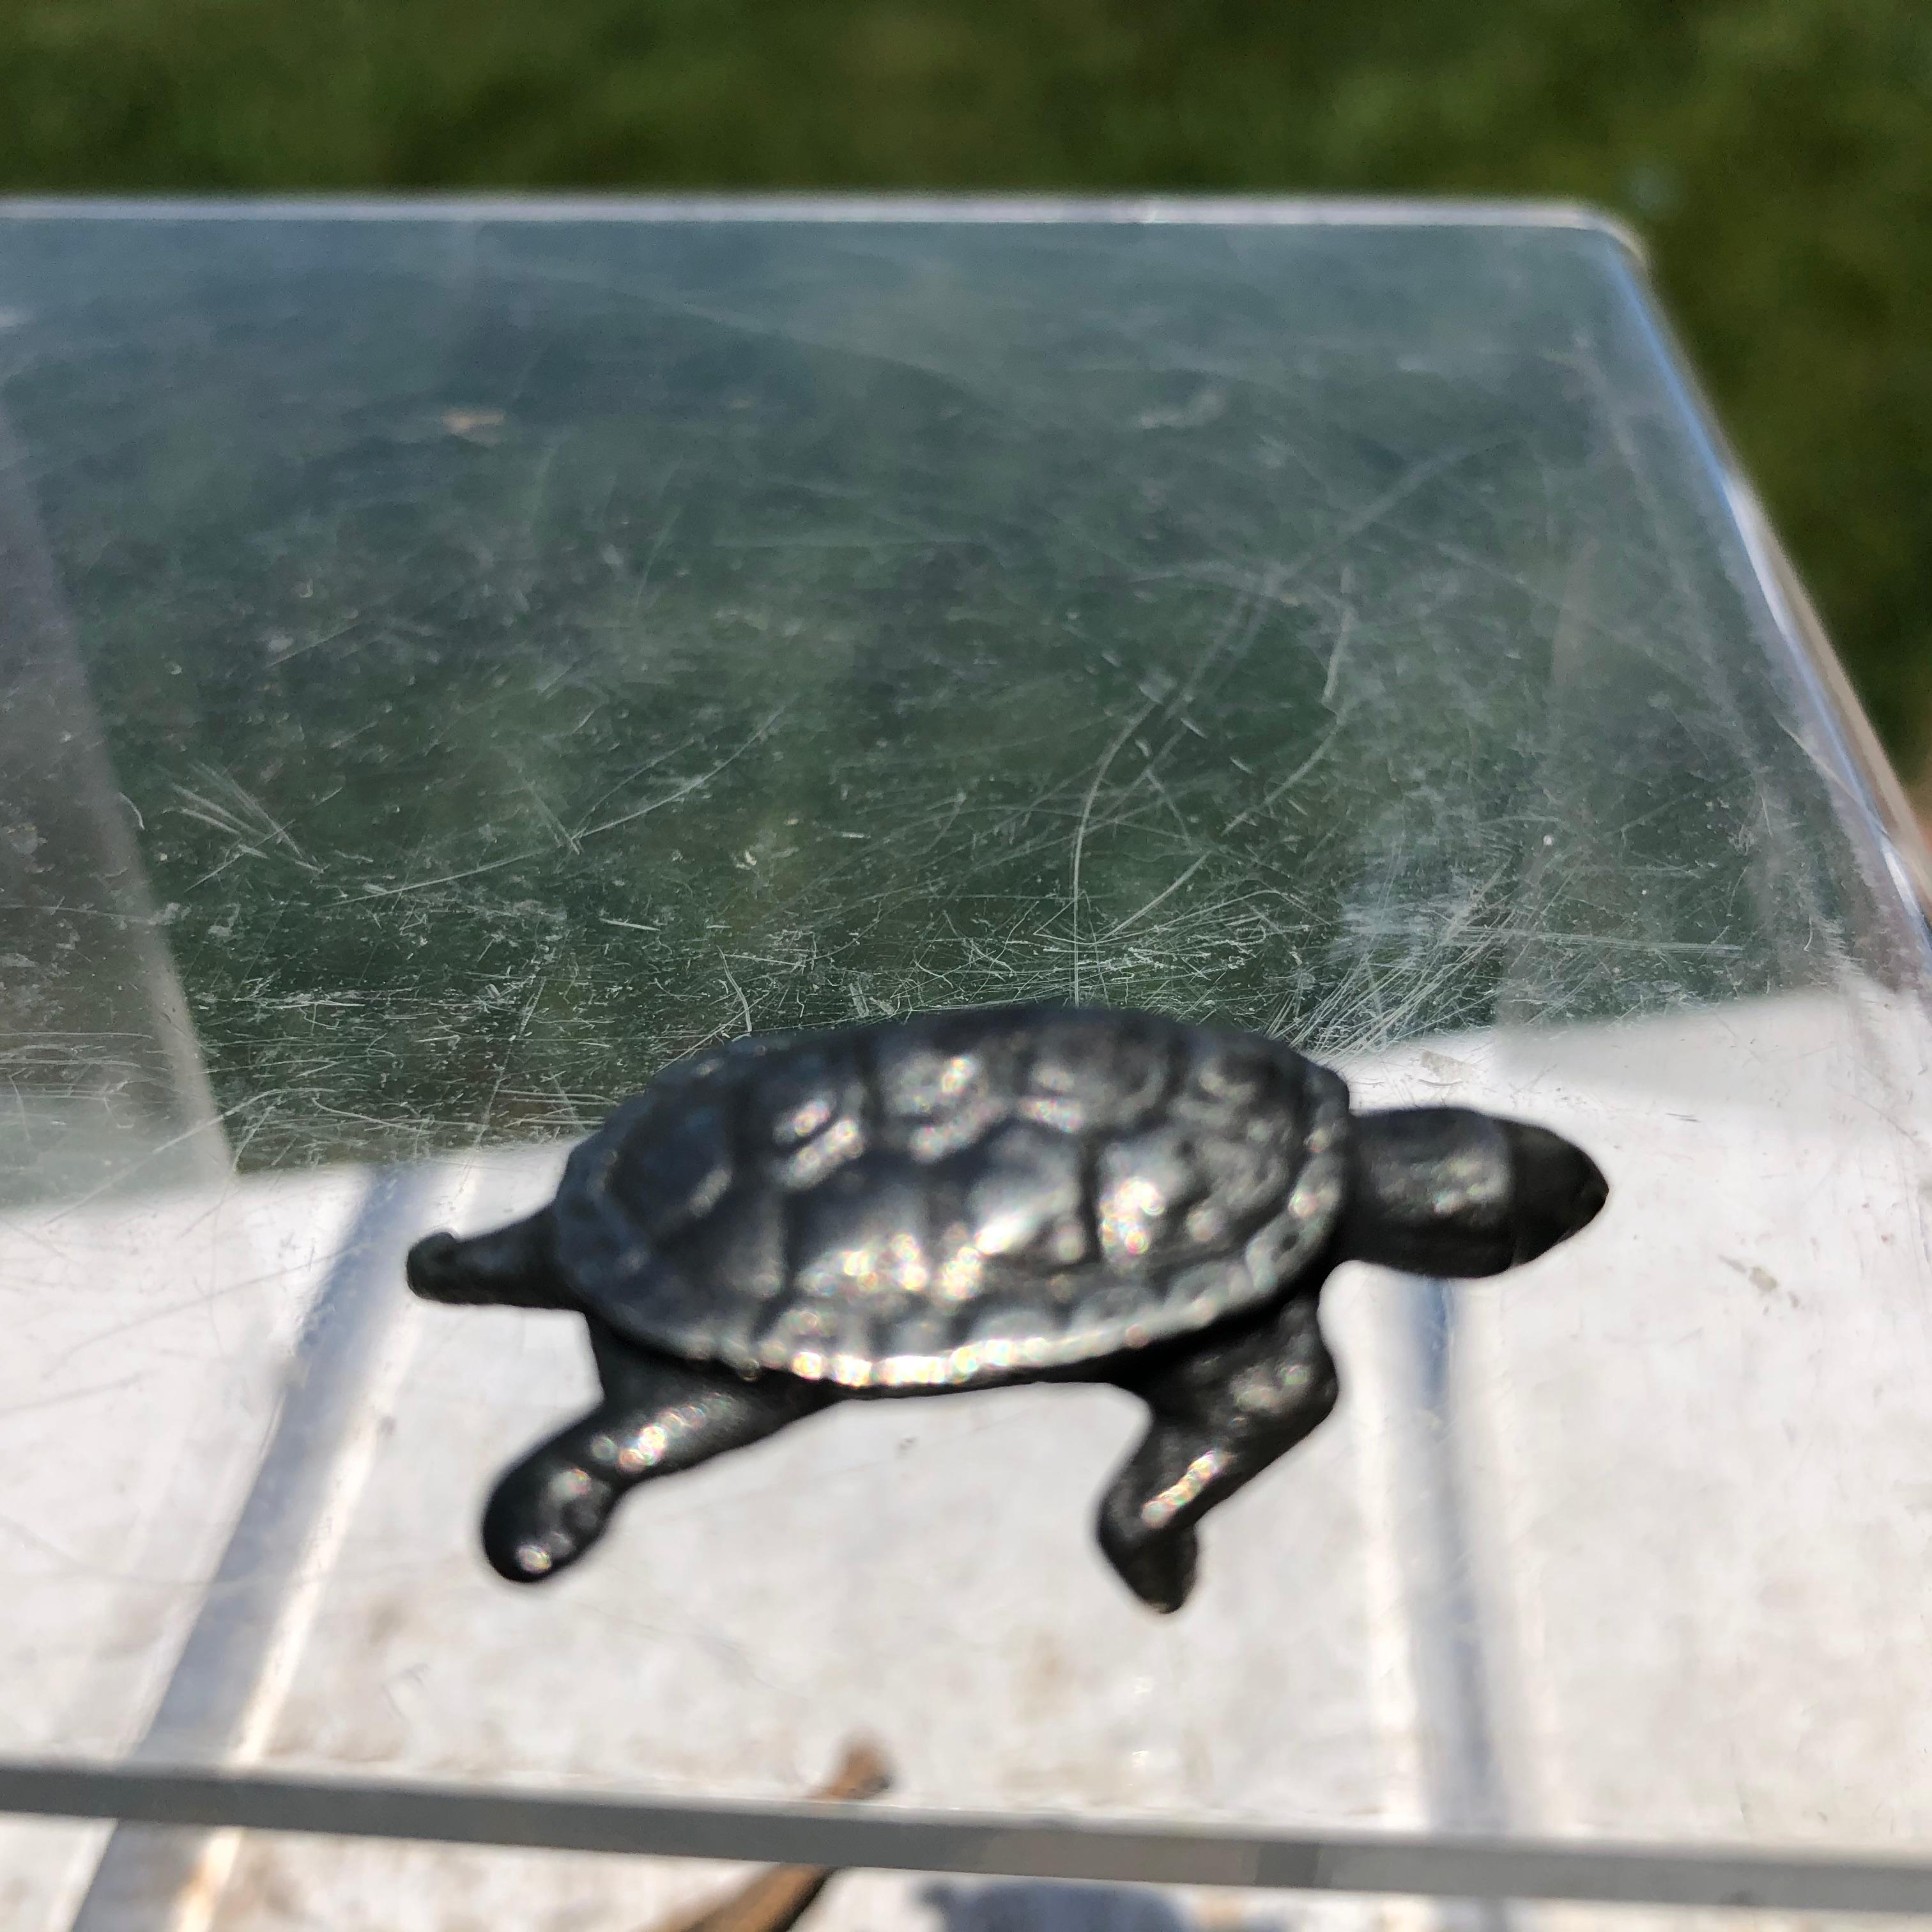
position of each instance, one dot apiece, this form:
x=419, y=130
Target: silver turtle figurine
x=964, y=1200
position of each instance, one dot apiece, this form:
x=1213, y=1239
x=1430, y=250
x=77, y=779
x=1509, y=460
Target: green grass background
x=1777, y=157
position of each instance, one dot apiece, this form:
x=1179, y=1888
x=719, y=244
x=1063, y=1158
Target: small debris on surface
x=778, y=1896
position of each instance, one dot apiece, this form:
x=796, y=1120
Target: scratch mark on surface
x=565, y=835
x=13, y=1408
x=1345, y=631
x=1100, y=771
x=1240, y=818
x=637, y=772
x=691, y=784
x=246, y=820
x=509, y=1054
x=670, y=797
x=744, y=1004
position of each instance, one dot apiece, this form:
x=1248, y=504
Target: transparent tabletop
x=458, y=659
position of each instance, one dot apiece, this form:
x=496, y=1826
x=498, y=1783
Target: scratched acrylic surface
x=526, y=652
x=450, y=665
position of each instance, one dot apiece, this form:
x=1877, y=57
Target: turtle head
x=1446, y=1191
x=511, y=1267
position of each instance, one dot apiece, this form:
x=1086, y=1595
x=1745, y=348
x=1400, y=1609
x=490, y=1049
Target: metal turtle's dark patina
x=964, y=1199
x=945, y=1202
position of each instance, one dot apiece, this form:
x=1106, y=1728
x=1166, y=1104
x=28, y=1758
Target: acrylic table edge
x=1858, y=768
x=935, y=209
x=979, y=1844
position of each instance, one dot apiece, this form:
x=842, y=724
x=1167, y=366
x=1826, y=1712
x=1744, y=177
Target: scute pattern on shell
x=956, y=1198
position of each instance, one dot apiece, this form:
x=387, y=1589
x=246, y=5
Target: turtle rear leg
x=659, y=1415
x=1221, y=1413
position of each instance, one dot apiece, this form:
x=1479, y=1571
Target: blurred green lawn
x=1776, y=156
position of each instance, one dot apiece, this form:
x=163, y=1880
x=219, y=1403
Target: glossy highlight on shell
x=957, y=1199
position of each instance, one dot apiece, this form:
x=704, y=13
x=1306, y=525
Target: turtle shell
x=959, y=1197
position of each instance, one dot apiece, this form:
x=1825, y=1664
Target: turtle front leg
x=1221, y=1413
x=659, y=1415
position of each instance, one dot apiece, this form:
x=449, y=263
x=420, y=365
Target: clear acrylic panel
x=458, y=659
